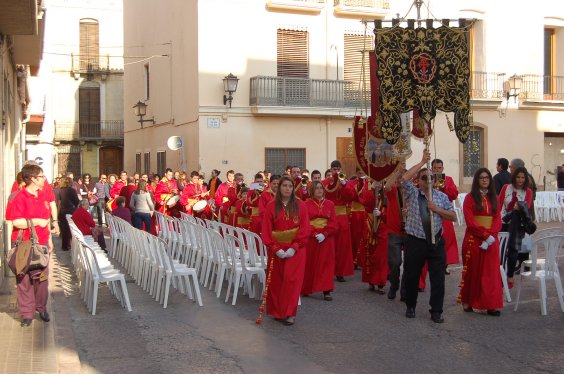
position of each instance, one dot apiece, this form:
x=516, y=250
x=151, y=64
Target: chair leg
x=231, y=276
x=505, y=286
x=94, y=297
x=219, y=282
x=236, y=287
x=559, y=291
x=542, y=291
x=189, y=287
x=518, y=294
x=197, y=290
x=125, y=294
x=167, y=290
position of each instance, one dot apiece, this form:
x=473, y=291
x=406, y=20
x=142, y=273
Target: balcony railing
x=485, y=85
x=102, y=130
x=542, y=87
x=304, y=92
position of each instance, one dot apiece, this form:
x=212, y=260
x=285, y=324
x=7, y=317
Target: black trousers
x=395, y=246
x=415, y=253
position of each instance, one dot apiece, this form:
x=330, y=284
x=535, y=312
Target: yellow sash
x=357, y=207
x=254, y=211
x=286, y=236
x=243, y=220
x=192, y=201
x=232, y=210
x=485, y=221
x=341, y=210
x=318, y=223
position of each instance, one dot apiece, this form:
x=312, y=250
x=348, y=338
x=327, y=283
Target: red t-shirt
x=26, y=205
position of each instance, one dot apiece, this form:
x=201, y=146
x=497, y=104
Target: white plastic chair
x=551, y=246
x=503, y=238
x=460, y=198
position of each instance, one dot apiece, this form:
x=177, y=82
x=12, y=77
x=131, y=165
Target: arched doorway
x=111, y=160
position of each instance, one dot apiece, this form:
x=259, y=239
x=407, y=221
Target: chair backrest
x=550, y=231
x=461, y=196
x=231, y=244
x=551, y=246
x=503, y=238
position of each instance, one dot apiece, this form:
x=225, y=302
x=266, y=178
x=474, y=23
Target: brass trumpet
x=342, y=176
x=304, y=181
x=439, y=181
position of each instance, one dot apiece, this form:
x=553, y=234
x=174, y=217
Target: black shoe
x=494, y=313
x=327, y=296
x=410, y=312
x=437, y=317
x=340, y=279
x=403, y=298
x=468, y=309
x=391, y=294
x=44, y=316
x=26, y=322
x=420, y=290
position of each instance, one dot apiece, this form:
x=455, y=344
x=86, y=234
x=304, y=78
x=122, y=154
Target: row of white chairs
x=92, y=267
x=549, y=206
x=149, y=262
x=218, y=252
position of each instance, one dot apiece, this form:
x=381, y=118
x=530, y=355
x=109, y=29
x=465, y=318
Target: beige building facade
x=299, y=65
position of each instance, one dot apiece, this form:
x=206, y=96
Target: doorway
x=345, y=154
x=111, y=160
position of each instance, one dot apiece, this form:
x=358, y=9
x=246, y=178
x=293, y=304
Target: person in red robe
x=233, y=195
x=339, y=192
x=375, y=268
x=221, y=198
x=115, y=190
x=320, y=259
x=192, y=193
x=166, y=189
x=267, y=196
x=358, y=218
x=242, y=210
x=285, y=231
x=480, y=287
x=128, y=190
x=255, y=190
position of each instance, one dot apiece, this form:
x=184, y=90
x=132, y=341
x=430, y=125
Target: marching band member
x=375, y=252
x=221, y=195
x=233, y=196
x=358, y=217
x=253, y=196
x=242, y=210
x=285, y=231
x=338, y=191
x=192, y=193
x=316, y=176
x=320, y=259
x=166, y=189
x=116, y=189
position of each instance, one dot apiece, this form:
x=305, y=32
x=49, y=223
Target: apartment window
x=147, y=82
x=89, y=44
x=548, y=66
x=161, y=162
x=356, y=48
x=89, y=110
x=292, y=64
x=277, y=159
x=138, y=162
x=473, y=152
x=147, y=163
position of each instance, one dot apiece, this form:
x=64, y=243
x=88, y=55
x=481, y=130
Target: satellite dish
x=174, y=143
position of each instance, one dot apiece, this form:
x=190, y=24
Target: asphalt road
x=358, y=332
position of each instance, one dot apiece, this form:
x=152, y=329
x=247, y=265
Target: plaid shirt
x=413, y=225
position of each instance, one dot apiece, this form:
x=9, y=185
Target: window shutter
x=354, y=45
x=89, y=112
x=292, y=53
x=89, y=45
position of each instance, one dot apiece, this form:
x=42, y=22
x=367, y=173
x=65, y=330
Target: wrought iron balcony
x=304, y=92
x=101, y=130
x=362, y=8
x=484, y=85
x=311, y=6
x=542, y=87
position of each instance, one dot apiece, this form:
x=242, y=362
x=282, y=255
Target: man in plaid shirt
x=420, y=202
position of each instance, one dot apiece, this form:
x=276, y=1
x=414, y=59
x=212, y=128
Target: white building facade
x=299, y=67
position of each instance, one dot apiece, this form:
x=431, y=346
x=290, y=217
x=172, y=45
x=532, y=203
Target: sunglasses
x=427, y=177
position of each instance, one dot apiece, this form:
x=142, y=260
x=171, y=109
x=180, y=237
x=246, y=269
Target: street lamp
x=230, y=86
x=140, y=110
x=514, y=83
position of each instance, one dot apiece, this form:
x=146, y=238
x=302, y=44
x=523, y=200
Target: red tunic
x=302, y=192
x=358, y=221
x=126, y=192
x=164, y=189
x=375, y=268
x=190, y=196
x=320, y=262
x=242, y=215
x=340, y=195
x=253, y=198
x=116, y=189
x=286, y=274
x=481, y=279
x=266, y=197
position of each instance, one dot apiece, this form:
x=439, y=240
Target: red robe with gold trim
x=253, y=204
x=286, y=274
x=320, y=262
x=481, y=280
x=358, y=221
x=164, y=189
x=341, y=195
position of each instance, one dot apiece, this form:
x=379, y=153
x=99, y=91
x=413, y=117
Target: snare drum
x=173, y=200
x=200, y=206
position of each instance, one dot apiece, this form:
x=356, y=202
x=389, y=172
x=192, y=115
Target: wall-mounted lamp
x=230, y=86
x=514, y=83
x=140, y=110
x=76, y=75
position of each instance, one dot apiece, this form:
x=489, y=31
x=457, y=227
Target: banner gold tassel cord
x=265, y=293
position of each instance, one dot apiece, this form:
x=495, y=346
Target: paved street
x=359, y=332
